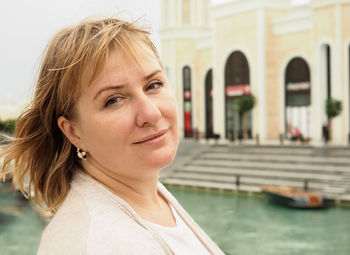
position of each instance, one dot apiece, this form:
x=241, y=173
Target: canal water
x=249, y=225
x=20, y=225
x=239, y=224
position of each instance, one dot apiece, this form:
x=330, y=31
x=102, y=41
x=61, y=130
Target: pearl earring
x=81, y=154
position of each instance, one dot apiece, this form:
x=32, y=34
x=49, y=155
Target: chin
x=163, y=159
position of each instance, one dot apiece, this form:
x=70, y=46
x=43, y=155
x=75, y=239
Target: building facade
x=290, y=58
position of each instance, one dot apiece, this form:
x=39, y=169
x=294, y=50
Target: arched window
x=187, y=96
x=209, y=104
x=237, y=83
x=297, y=99
x=236, y=69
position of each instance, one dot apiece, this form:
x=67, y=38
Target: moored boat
x=293, y=197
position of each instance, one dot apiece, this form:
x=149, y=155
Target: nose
x=147, y=112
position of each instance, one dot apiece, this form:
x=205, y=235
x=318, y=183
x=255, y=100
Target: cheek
x=169, y=108
x=170, y=114
x=106, y=131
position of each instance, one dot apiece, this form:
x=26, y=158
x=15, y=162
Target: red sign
x=187, y=94
x=188, y=122
x=295, y=86
x=237, y=90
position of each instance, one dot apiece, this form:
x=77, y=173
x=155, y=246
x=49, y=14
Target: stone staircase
x=246, y=168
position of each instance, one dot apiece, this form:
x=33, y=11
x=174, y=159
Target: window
x=297, y=99
x=237, y=83
x=187, y=96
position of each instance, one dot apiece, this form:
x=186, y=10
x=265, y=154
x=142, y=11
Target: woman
x=90, y=146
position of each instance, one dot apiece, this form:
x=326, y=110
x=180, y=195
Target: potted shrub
x=243, y=104
x=333, y=109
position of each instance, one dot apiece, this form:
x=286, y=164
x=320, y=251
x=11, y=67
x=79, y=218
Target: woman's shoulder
x=66, y=233
x=91, y=222
x=85, y=208
x=83, y=223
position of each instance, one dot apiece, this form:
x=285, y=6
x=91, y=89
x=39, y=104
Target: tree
x=333, y=109
x=8, y=126
x=243, y=104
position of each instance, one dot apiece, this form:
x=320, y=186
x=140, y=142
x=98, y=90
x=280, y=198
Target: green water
x=246, y=225
x=240, y=225
x=20, y=225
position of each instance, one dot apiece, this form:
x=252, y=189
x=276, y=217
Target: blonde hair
x=40, y=159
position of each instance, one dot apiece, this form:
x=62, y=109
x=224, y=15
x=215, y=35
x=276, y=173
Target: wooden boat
x=293, y=197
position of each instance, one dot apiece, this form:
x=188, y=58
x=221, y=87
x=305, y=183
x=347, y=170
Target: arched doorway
x=298, y=99
x=237, y=83
x=209, y=103
x=187, y=96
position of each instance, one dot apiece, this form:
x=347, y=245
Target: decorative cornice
x=296, y=21
x=239, y=6
x=189, y=31
x=202, y=36
x=323, y=3
x=204, y=42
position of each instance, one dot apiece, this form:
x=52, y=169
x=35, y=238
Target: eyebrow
x=116, y=87
x=106, y=89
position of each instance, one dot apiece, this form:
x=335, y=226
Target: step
x=345, y=197
x=268, y=151
x=252, y=180
x=262, y=173
x=334, y=190
x=274, y=158
x=209, y=185
x=264, y=165
x=280, y=150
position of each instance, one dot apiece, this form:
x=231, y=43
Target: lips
x=152, y=137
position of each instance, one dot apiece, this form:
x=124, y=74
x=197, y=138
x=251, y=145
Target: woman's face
x=127, y=119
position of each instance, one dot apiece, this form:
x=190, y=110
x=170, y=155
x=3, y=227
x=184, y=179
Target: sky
x=27, y=26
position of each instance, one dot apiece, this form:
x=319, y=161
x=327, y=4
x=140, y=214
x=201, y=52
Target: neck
x=137, y=191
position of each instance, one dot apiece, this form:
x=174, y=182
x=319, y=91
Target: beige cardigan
x=94, y=221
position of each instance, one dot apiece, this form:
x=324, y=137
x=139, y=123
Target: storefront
x=298, y=100
x=236, y=84
x=209, y=104
x=187, y=99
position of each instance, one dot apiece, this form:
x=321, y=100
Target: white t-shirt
x=181, y=239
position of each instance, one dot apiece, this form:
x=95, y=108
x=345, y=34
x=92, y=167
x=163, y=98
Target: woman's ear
x=70, y=130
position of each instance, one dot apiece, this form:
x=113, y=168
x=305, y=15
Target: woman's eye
x=113, y=100
x=155, y=85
